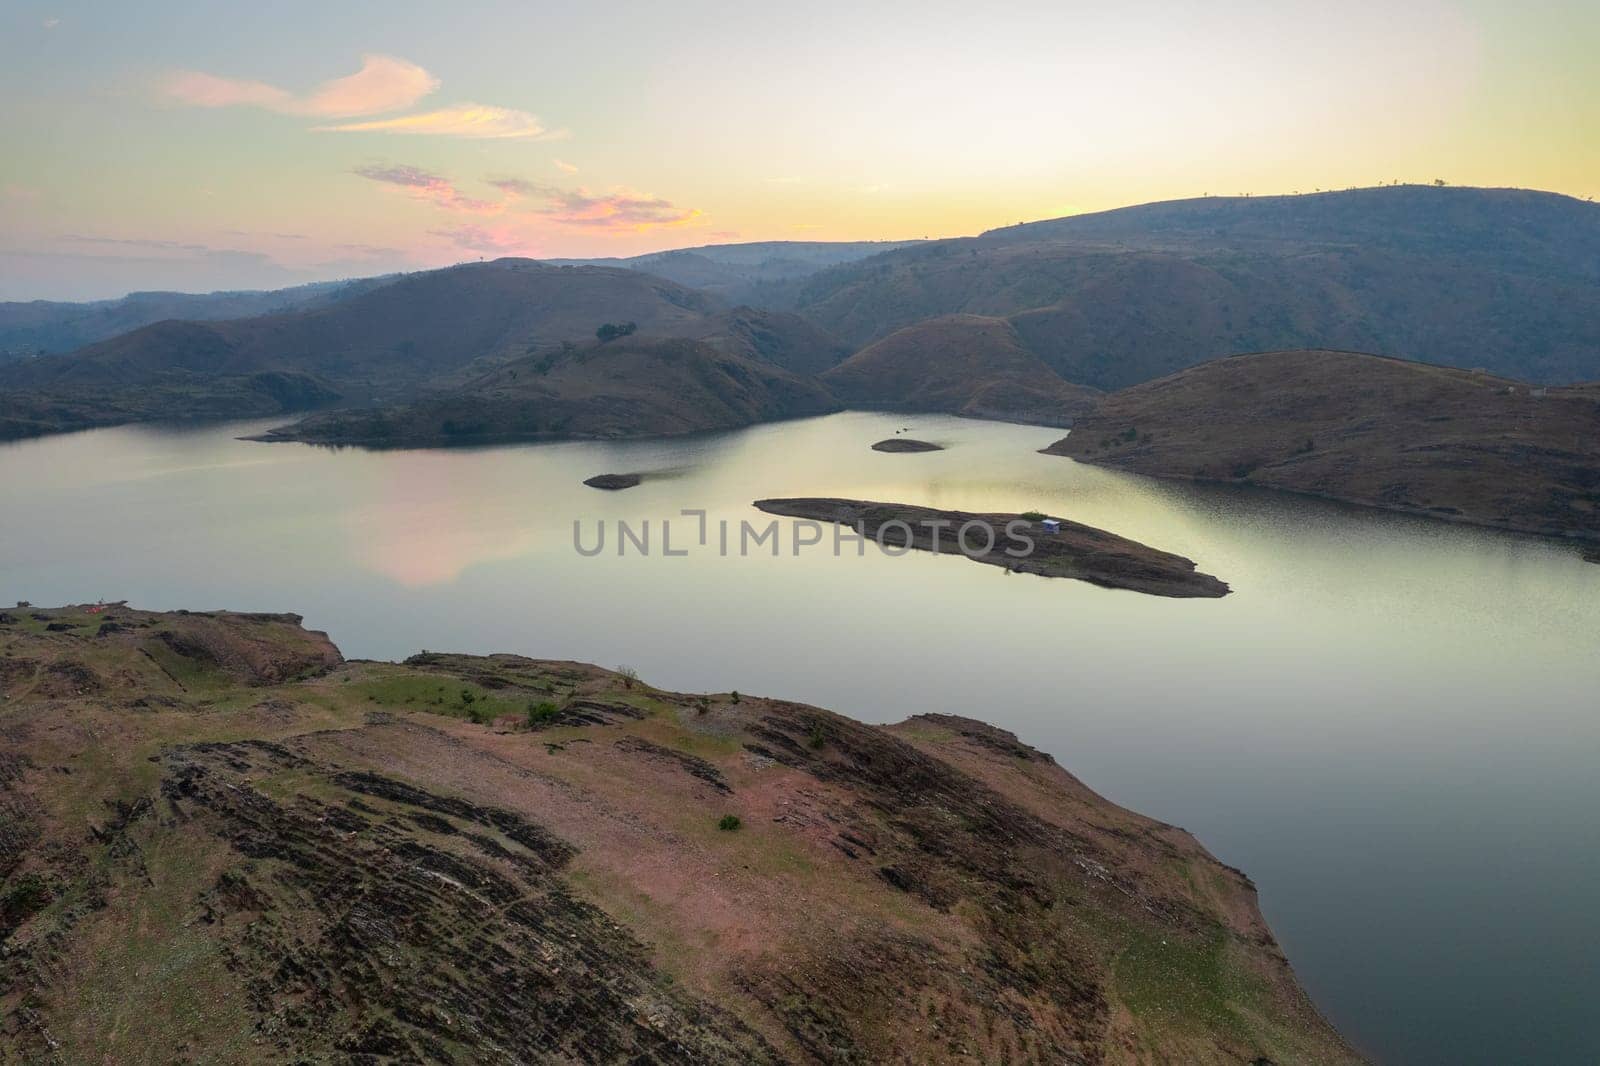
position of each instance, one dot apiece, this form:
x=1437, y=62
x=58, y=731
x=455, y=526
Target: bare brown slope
x=1405, y=436
x=221, y=838
x=963, y=364
x=633, y=387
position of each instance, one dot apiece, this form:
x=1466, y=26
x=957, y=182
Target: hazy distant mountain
x=631, y=387
x=40, y=327
x=739, y=272
x=381, y=346
x=963, y=364
x=732, y=271
x=1400, y=435
x=1499, y=278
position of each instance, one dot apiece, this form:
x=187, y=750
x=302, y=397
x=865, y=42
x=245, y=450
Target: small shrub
x=29, y=895
x=701, y=705
x=735, y=695
x=540, y=713
x=1034, y=516
x=628, y=674
x=467, y=698
x=729, y=823
x=818, y=737
x=1130, y=434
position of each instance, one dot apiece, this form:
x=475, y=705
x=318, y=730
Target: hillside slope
x=224, y=842
x=632, y=387
x=961, y=364
x=1499, y=278
x=1383, y=432
x=37, y=327
x=382, y=346
x=735, y=271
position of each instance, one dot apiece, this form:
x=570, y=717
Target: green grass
x=440, y=695
x=1170, y=982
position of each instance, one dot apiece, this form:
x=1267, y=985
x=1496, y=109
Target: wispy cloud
x=619, y=209
x=564, y=166
x=481, y=121
x=383, y=83
x=433, y=188
x=483, y=239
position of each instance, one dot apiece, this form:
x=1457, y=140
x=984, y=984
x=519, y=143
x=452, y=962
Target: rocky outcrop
x=339, y=868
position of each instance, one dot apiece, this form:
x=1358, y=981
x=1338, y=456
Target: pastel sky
x=208, y=145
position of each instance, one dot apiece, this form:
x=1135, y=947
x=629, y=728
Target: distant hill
x=632, y=387
x=43, y=327
x=1399, y=435
x=383, y=346
x=1499, y=278
x=962, y=364
x=777, y=337
x=738, y=272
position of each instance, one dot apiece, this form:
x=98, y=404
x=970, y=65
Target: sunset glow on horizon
x=197, y=147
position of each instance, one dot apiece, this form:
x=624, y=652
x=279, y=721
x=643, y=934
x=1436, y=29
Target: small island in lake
x=1035, y=544
x=613, y=482
x=906, y=444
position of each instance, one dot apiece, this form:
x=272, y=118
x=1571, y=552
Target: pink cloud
x=483, y=239
x=383, y=83
x=433, y=188
x=619, y=209
x=480, y=121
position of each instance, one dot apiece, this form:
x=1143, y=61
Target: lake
x=1393, y=725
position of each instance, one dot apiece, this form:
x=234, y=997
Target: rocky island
x=613, y=482
x=223, y=837
x=906, y=444
x=1022, y=543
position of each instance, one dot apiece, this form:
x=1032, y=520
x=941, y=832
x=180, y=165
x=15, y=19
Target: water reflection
x=1391, y=724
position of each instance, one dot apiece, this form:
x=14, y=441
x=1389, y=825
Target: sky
x=202, y=146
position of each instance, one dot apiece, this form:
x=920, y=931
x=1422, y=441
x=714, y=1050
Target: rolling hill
x=961, y=364
x=738, y=272
x=1447, y=443
x=41, y=327
x=387, y=345
x=1504, y=279
x=632, y=387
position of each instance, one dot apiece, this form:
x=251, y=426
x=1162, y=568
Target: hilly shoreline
x=1454, y=444
x=227, y=838
x=1021, y=324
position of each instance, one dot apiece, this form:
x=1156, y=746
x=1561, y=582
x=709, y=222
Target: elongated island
x=1029, y=543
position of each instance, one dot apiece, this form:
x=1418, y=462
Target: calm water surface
x=1392, y=725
